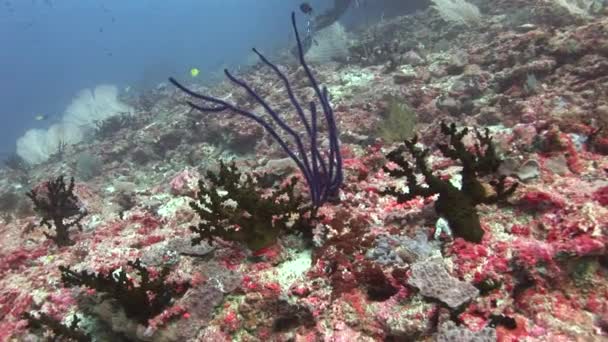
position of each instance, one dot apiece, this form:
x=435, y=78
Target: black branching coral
x=141, y=298
x=456, y=205
x=42, y=321
x=232, y=207
x=59, y=207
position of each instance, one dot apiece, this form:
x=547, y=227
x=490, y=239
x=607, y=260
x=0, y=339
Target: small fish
x=41, y=117
x=306, y=8
x=194, y=72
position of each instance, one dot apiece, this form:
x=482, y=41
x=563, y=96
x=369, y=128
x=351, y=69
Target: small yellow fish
x=41, y=117
x=194, y=72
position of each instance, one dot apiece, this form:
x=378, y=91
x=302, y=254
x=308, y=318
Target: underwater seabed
x=451, y=187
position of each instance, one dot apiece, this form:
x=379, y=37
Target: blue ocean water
x=51, y=49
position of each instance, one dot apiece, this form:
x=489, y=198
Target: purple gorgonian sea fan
x=322, y=169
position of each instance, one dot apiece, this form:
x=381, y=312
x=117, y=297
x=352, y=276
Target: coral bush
x=46, y=322
x=56, y=202
x=233, y=208
x=141, y=300
x=456, y=205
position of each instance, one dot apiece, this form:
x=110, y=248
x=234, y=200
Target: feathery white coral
x=458, y=11
x=88, y=107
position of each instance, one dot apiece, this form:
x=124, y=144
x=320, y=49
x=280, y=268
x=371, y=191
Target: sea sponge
x=87, y=108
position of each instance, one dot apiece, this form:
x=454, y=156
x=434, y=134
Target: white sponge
x=32, y=146
x=88, y=107
x=329, y=43
x=91, y=106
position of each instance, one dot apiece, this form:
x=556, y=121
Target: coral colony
x=456, y=205
x=447, y=184
x=55, y=203
x=323, y=173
